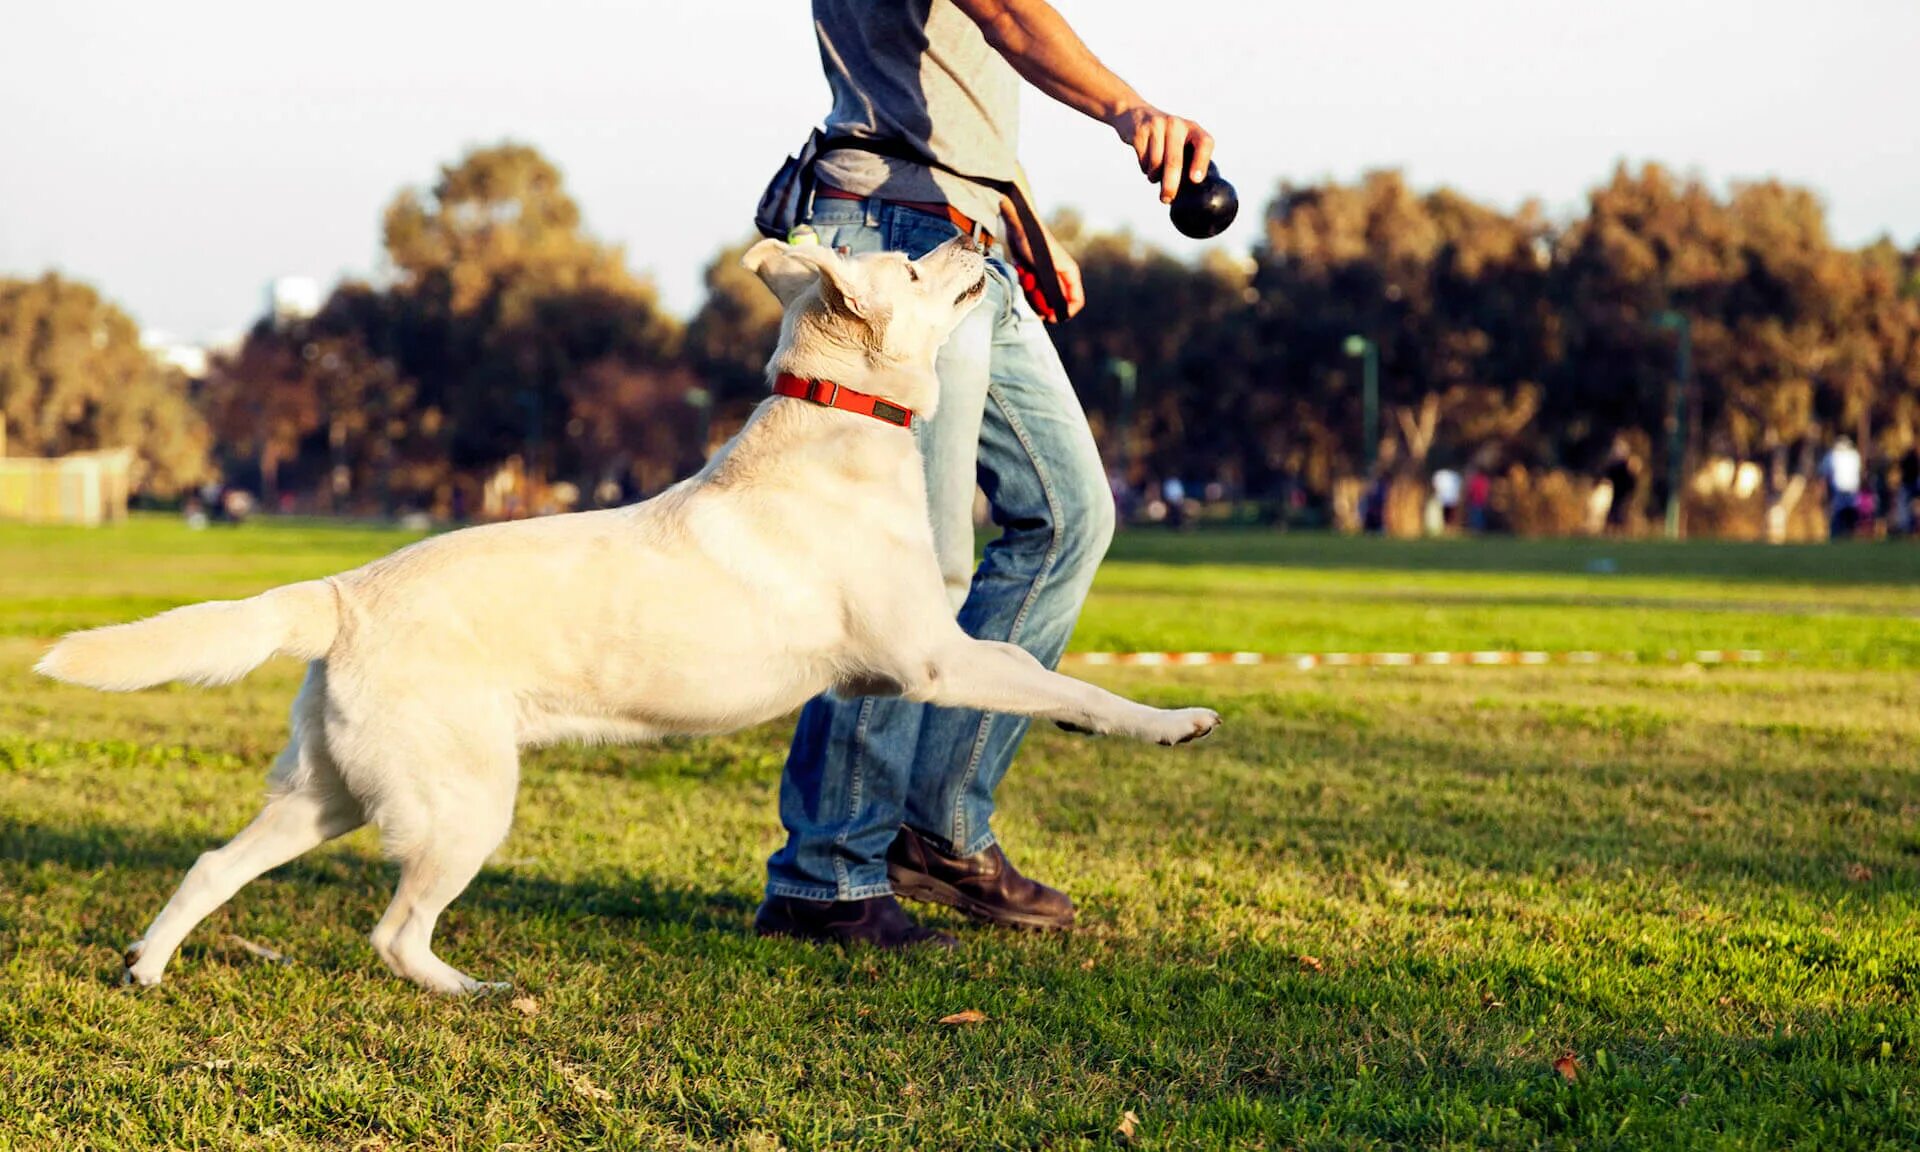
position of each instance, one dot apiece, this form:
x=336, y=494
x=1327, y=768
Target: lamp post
x=1126, y=378
x=701, y=401
x=1682, y=391
x=1368, y=353
x=531, y=399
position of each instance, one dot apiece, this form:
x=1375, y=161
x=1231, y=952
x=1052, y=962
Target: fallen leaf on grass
x=577, y=1080
x=1859, y=873
x=1129, y=1123
x=525, y=1005
x=970, y=1016
x=259, y=950
x=1087, y=964
x=1311, y=964
x=1568, y=1065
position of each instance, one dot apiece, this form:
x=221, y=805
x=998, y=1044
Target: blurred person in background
x=1479, y=499
x=1906, y=492
x=1622, y=475
x=1841, y=471
x=1446, y=489
x=1173, y=492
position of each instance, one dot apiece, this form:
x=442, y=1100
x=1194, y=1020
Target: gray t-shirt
x=919, y=72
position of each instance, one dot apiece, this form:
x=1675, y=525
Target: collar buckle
x=829, y=394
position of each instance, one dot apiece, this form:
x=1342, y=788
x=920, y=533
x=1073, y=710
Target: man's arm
x=1047, y=52
x=1072, y=289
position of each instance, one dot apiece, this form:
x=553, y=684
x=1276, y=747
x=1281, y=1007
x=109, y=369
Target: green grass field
x=1373, y=912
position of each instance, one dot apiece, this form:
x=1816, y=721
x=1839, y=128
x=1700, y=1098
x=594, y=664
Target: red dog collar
x=830, y=395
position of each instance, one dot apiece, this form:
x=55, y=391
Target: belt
x=948, y=212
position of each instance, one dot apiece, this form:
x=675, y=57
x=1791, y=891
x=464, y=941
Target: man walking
x=1841, y=470
x=883, y=795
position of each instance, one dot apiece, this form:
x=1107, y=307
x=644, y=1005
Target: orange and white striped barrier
x=1308, y=661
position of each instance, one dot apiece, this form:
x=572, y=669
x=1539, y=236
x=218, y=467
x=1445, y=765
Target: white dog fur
x=800, y=559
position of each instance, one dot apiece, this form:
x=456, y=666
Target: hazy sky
x=181, y=154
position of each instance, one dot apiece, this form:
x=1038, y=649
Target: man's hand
x=1160, y=141
x=1071, y=288
x=1071, y=285
x=1020, y=247
x=1041, y=46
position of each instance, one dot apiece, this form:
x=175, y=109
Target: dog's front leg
x=995, y=677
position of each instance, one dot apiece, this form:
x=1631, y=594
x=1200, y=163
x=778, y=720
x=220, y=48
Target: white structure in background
x=191, y=359
x=291, y=298
x=84, y=488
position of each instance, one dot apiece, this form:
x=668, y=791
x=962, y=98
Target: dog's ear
x=788, y=269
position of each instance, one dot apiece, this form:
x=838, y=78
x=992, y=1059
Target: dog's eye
x=913, y=274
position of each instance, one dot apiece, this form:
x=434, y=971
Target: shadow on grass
x=1231, y=1039
x=1728, y=822
x=1715, y=812
x=348, y=866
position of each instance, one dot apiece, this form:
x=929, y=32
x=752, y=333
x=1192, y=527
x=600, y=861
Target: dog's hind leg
x=441, y=844
x=308, y=807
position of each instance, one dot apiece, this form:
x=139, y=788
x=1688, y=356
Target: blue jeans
x=1009, y=422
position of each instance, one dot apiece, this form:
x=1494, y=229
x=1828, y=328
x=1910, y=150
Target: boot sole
x=919, y=886
x=935, y=940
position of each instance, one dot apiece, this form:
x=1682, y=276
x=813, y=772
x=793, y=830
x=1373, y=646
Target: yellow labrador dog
x=800, y=559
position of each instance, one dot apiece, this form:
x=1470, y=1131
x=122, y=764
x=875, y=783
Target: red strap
x=830, y=395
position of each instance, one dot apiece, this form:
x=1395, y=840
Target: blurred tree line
x=509, y=348
x=74, y=377
x=1505, y=341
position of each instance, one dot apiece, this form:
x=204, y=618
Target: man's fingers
x=1202, y=141
x=1072, y=289
x=1176, y=154
x=1172, y=151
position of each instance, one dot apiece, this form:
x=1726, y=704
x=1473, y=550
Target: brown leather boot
x=984, y=885
x=879, y=921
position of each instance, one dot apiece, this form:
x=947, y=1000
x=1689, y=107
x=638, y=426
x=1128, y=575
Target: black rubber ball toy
x=1206, y=208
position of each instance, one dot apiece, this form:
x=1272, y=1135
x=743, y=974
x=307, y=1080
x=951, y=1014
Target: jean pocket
x=1017, y=307
x=917, y=233
x=853, y=236
x=837, y=213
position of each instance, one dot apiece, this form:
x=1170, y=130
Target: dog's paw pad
x=1193, y=724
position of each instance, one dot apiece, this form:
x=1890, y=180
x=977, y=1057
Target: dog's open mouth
x=977, y=287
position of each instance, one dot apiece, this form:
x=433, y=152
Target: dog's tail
x=212, y=643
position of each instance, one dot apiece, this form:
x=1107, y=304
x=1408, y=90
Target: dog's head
x=872, y=322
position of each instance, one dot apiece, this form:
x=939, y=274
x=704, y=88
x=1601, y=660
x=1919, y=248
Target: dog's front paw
x=1187, y=724
x=132, y=974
